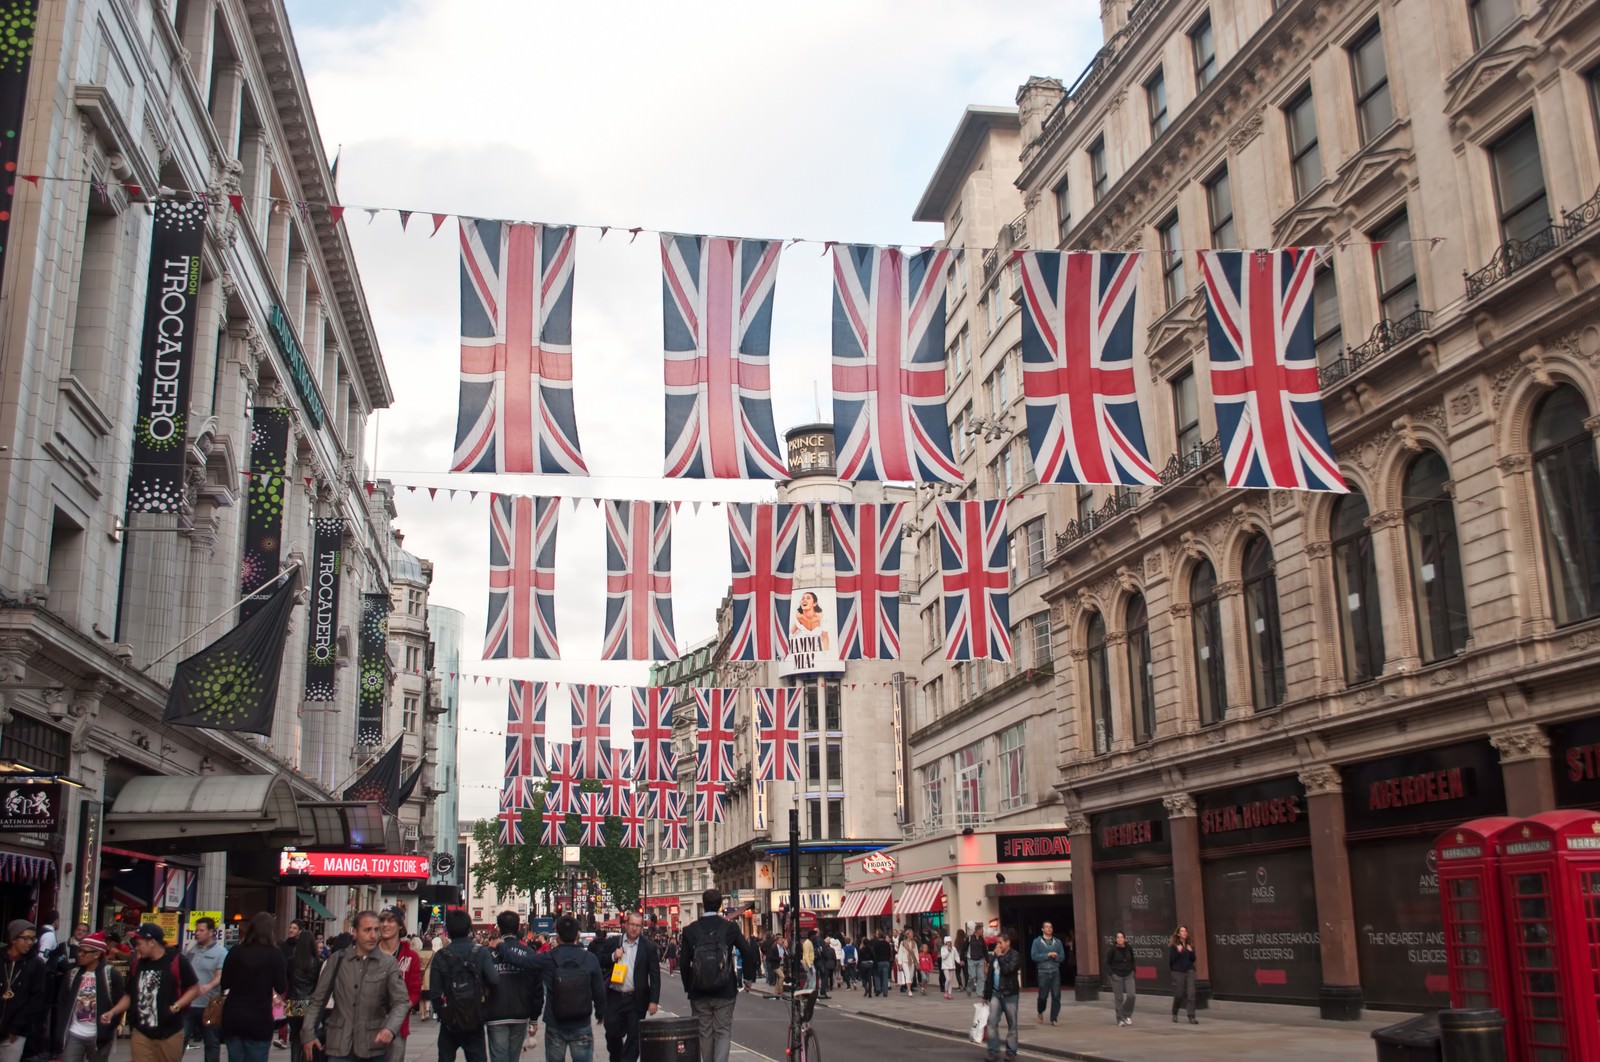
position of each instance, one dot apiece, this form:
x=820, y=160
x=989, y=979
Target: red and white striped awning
x=921, y=897
x=868, y=903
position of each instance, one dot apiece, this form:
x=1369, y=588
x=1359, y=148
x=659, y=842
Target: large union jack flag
x=669, y=811
x=653, y=754
x=522, y=579
x=561, y=784
x=1077, y=368
x=889, y=365
x=762, y=542
x=514, y=798
x=554, y=831
x=516, y=350
x=592, y=820
x=1264, y=370
x=718, y=324
x=778, y=734
x=709, y=795
x=972, y=565
x=638, y=582
x=631, y=812
x=866, y=566
x=715, y=713
x=591, y=730
x=617, y=785
x=525, y=718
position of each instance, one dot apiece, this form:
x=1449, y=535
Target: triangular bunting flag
x=336, y=214
x=405, y=219
x=438, y=220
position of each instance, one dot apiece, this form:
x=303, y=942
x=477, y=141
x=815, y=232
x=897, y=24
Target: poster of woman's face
x=813, y=633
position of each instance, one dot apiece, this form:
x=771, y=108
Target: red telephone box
x=1467, y=859
x=1550, y=880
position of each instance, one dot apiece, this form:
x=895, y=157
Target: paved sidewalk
x=1238, y=1032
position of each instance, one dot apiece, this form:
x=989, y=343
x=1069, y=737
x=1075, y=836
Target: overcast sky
x=821, y=120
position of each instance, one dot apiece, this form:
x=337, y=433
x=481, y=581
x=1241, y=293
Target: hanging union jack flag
x=669, y=810
x=653, y=754
x=638, y=582
x=617, y=786
x=514, y=798
x=592, y=820
x=866, y=566
x=715, y=714
x=522, y=579
x=631, y=812
x=525, y=715
x=778, y=734
x=554, y=831
x=762, y=542
x=1077, y=368
x=708, y=797
x=561, y=785
x=1264, y=370
x=889, y=365
x=516, y=350
x=591, y=731
x=718, y=323
x=972, y=565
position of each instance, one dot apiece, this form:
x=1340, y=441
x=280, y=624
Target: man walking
x=520, y=996
x=23, y=978
x=882, y=959
x=1048, y=954
x=392, y=942
x=574, y=992
x=708, y=974
x=631, y=968
x=1002, y=984
x=161, y=985
x=84, y=1030
x=369, y=999
x=206, y=955
x=976, y=955
x=460, y=979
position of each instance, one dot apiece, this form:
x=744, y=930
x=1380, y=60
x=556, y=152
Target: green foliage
x=533, y=867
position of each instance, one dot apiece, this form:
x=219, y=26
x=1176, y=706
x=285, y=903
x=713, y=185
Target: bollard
x=1472, y=1035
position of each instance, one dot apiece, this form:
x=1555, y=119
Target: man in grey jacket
x=1048, y=953
x=369, y=998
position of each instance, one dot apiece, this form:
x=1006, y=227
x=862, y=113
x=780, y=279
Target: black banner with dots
x=16, y=48
x=322, y=632
x=263, y=519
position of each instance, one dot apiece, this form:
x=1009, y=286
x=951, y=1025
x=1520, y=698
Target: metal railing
x=1385, y=337
x=1122, y=500
x=1513, y=255
x=1583, y=215
x=1195, y=458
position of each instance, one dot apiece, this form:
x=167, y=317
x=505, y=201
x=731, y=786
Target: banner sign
x=88, y=859
x=1033, y=846
x=322, y=626
x=299, y=371
x=29, y=807
x=19, y=18
x=295, y=864
x=813, y=633
x=263, y=520
x=171, y=303
x=374, y=663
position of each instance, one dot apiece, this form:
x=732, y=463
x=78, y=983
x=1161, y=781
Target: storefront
x=1394, y=810
x=32, y=821
x=1575, y=748
x=920, y=906
x=1260, y=895
x=1026, y=903
x=1133, y=887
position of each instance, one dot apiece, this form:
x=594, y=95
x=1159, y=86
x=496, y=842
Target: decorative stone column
x=1340, y=994
x=1084, y=930
x=1188, y=891
x=1525, y=765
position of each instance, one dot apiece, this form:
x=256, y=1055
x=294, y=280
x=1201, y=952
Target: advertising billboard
x=813, y=626
x=297, y=864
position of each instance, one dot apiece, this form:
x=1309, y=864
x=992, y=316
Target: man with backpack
x=161, y=985
x=520, y=996
x=574, y=992
x=708, y=974
x=364, y=996
x=631, y=969
x=91, y=991
x=460, y=979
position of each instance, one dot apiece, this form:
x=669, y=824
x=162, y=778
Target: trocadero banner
x=373, y=667
x=322, y=628
x=18, y=17
x=155, y=481
x=263, y=519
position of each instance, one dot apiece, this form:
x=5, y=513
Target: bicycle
x=802, y=1043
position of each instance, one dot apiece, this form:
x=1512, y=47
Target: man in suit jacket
x=633, y=993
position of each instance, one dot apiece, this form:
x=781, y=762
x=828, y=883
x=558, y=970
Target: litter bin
x=1413, y=1040
x=670, y=1040
x=1472, y=1035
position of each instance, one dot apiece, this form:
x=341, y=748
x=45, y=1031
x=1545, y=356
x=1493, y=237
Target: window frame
x=1224, y=231
x=1263, y=628
x=1155, y=91
x=1336, y=333
x=1099, y=169
x=1169, y=236
x=1389, y=292
x=1063, y=199
x=1210, y=654
x=1555, y=467
x=1484, y=34
x=1141, y=677
x=1097, y=665
x=1300, y=152
x=1369, y=93
x=969, y=784
x=1506, y=212
x=1012, y=764
x=1190, y=431
x=1206, y=66
x=1363, y=649
x=1433, y=518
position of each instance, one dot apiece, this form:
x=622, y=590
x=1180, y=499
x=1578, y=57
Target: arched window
x=1435, y=559
x=1355, y=574
x=1210, y=666
x=1141, y=671
x=1568, y=487
x=1099, y=684
x=1261, y=617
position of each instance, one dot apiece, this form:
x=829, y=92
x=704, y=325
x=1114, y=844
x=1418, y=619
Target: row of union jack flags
x=763, y=540
x=517, y=411
x=641, y=783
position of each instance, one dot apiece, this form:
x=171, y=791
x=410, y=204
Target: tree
x=534, y=867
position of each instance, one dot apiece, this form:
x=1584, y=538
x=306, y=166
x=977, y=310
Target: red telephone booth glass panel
x=1537, y=987
x=1589, y=887
x=1469, y=940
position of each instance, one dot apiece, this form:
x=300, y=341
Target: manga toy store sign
x=30, y=807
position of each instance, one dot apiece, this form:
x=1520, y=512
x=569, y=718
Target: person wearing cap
x=206, y=955
x=22, y=988
x=161, y=985
x=368, y=996
x=84, y=1029
x=392, y=942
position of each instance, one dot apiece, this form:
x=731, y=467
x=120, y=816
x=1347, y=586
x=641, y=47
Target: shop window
x=1013, y=767
x=1203, y=48
x=1099, y=684
x=1567, y=489
x=1435, y=551
x=1305, y=156
x=1155, y=99
x=1369, y=71
x=1519, y=183
x=1355, y=573
x=1141, y=671
x=1173, y=285
x=1211, y=687
x=969, y=785
x=1261, y=617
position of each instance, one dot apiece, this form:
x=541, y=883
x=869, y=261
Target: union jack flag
x=972, y=562
x=717, y=315
x=561, y=784
x=516, y=351
x=631, y=812
x=555, y=828
x=669, y=810
x=522, y=579
x=591, y=730
x=525, y=714
x=762, y=543
x=866, y=566
x=1264, y=370
x=514, y=798
x=708, y=796
x=1077, y=368
x=778, y=734
x=715, y=712
x=889, y=365
x=638, y=582
x=592, y=820
x=652, y=734
x=617, y=786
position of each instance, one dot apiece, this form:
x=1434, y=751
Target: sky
x=822, y=120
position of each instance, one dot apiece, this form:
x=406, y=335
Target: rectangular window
x=1397, y=269
x=32, y=743
x=960, y=272
x=932, y=796
x=1186, y=411
x=813, y=767
x=1063, y=209
x=1490, y=18
x=1013, y=767
x=969, y=785
x=1370, y=71
x=1203, y=47
x=1085, y=502
x=835, y=767
x=831, y=705
x=835, y=818
x=994, y=308
x=1219, y=203
x=1519, y=183
x=1008, y=482
x=1033, y=542
x=1326, y=323
x=1593, y=79
x=1305, y=158
x=1099, y=178
x=1155, y=98
x=963, y=437
x=409, y=712
x=1030, y=474
x=1172, y=279
x=1040, y=622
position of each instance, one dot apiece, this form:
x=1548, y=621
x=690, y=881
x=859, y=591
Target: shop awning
x=868, y=903
x=203, y=813
x=348, y=826
x=921, y=897
x=17, y=867
x=311, y=901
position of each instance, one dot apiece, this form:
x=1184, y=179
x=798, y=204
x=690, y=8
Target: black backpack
x=713, y=965
x=463, y=993
x=571, y=997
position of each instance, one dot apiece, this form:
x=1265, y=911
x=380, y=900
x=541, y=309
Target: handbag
x=212, y=1017
x=980, y=1022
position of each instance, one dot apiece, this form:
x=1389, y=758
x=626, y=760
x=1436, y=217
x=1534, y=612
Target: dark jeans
x=880, y=978
x=622, y=1027
x=472, y=1045
x=1050, y=986
x=505, y=1040
x=242, y=1050
x=558, y=1041
x=195, y=1029
x=1183, y=991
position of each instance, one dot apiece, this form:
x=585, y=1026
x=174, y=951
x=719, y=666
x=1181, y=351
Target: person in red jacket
x=391, y=938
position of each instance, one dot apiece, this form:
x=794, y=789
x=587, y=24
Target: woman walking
x=1119, y=966
x=961, y=958
x=304, y=966
x=252, y=974
x=1180, y=956
x=949, y=963
x=908, y=963
x=976, y=954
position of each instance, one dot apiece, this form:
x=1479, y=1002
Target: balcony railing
x=1193, y=460
x=1513, y=255
x=1583, y=215
x=1121, y=501
x=1385, y=337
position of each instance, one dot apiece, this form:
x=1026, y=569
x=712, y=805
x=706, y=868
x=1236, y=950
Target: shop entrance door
x=1026, y=915
x=1535, y=969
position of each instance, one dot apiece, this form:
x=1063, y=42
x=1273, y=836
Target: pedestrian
x=630, y=965
x=83, y=1030
x=574, y=994
x=882, y=960
x=906, y=961
x=1048, y=953
x=925, y=967
x=671, y=952
x=280, y=1035
x=1119, y=967
x=22, y=999
x=393, y=943
x=513, y=1005
x=368, y=996
x=206, y=954
x=253, y=975
x=949, y=963
x=160, y=986
x=304, y=965
x=459, y=982
x=1180, y=957
x=976, y=955
x=47, y=934
x=424, y=962
x=1002, y=984
x=705, y=951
